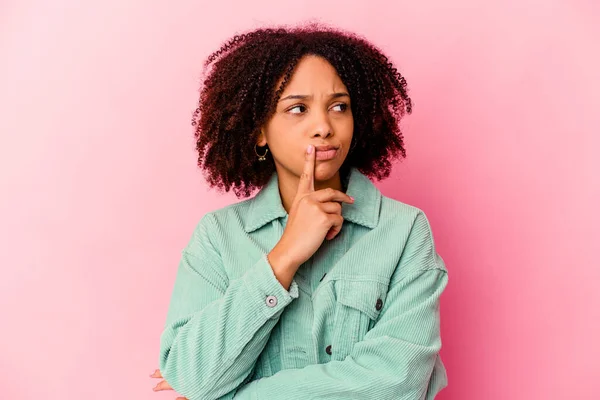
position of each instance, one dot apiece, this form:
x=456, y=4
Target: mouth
x=324, y=153
x=326, y=148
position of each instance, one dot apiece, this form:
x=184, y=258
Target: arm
x=215, y=328
x=397, y=357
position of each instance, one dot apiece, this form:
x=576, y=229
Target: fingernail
x=351, y=198
x=309, y=149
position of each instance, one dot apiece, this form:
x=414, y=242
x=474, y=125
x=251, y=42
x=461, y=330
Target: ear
x=261, y=140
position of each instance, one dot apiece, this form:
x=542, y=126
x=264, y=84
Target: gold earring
x=261, y=157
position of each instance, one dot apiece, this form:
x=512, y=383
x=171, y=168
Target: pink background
x=100, y=191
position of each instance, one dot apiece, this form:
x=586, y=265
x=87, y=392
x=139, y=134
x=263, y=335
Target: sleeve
x=215, y=328
x=397, y=358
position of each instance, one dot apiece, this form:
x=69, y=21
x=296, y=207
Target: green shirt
x=360, y=320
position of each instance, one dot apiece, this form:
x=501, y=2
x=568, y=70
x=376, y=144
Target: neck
x=288, y=186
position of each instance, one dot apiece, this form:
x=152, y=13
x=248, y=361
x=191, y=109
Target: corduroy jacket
x=360, y=320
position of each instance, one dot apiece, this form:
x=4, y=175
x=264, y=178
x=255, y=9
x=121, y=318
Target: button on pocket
x=358, y=306
x=365, y=296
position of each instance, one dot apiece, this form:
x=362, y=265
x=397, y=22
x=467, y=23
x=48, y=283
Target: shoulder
x=401, y=215
x=410, y=226
x=222, y=224
x=231, y=214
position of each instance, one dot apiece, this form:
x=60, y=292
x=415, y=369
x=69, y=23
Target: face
x=313, y=109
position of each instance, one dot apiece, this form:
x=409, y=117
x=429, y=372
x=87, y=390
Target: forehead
x=313, y=74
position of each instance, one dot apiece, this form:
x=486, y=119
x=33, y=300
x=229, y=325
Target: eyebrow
x=304, y=96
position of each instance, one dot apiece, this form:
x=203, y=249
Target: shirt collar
x=267, y=206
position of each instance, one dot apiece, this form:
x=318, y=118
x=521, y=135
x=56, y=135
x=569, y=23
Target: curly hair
x=238, y=96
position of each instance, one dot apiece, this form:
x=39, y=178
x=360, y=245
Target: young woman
x=318, y=287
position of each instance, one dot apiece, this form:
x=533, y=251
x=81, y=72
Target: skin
x=310, y=189
x=319, y=119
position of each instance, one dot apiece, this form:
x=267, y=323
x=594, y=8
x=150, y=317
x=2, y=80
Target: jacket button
x=328, y=349
x=271, y=301
x=379, y=304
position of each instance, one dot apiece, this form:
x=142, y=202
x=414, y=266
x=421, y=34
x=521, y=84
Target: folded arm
x=216, y=328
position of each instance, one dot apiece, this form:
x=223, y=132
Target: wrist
x=280, y=260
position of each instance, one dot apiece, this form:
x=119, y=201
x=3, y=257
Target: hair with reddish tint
x=239, y=94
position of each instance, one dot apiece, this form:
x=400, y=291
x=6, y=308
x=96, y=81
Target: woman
x=319, y=287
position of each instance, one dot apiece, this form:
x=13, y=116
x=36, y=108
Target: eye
x=295, y=107
x=344, y=106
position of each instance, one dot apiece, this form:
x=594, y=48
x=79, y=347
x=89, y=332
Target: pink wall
x=100, y=190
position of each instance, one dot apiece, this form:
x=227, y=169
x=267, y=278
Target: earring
x=261, y=157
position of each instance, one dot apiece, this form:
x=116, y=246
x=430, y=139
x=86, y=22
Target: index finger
x=307, y=180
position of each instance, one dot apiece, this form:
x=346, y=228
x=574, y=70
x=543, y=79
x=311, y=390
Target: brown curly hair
x=239, y=95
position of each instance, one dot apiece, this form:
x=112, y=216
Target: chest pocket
x=358, y=305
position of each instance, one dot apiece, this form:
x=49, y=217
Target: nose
x=323, y=133
x=322, y=126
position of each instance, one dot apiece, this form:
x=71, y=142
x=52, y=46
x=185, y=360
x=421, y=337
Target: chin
x=325, y=171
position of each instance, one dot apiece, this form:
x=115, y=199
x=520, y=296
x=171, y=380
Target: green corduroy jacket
x=360, y=320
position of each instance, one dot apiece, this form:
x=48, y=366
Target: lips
x=325, y=153
x=326, y=148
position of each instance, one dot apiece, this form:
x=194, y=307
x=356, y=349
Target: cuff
x=266, y=291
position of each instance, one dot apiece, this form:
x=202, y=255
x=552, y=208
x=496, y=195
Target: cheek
x=283, y=134
x=288, y=150
x=345, y=132
x=286, y=146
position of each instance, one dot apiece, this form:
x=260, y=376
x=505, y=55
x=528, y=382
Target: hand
x=313, y=217
x=162, y=385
